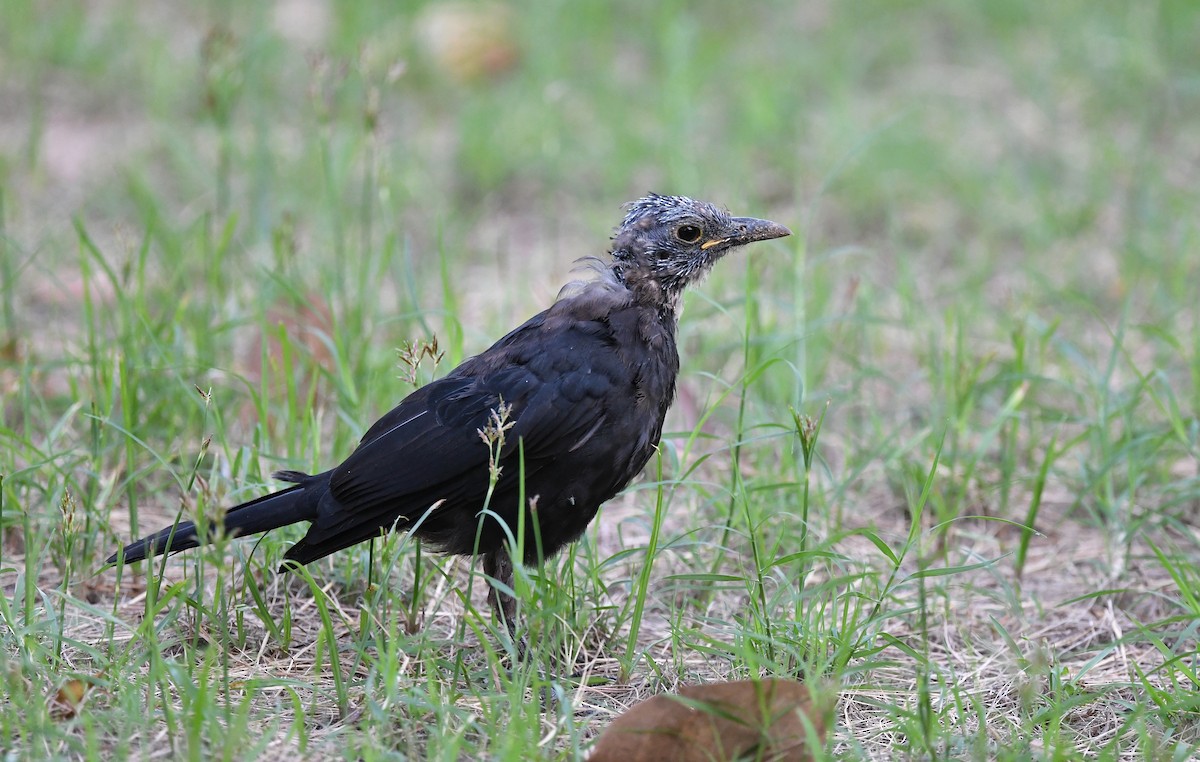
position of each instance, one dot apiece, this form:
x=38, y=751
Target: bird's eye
x=688, y=233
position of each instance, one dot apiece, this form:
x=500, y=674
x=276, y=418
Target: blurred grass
x=220, y=220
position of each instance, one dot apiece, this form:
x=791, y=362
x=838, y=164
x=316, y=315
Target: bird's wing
x=432, y=438
x=429, y=447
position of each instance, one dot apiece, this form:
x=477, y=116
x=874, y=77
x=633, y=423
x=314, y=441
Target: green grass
x=936, y=454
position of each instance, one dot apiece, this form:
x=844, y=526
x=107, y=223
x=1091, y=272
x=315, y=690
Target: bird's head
x=668, y=242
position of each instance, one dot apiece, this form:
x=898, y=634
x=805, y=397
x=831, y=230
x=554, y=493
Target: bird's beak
x=748, y=230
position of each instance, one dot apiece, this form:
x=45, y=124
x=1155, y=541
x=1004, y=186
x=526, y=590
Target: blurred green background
x=219, y=221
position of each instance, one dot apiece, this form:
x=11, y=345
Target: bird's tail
x=278, y=509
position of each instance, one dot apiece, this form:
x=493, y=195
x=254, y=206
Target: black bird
x=583, y=388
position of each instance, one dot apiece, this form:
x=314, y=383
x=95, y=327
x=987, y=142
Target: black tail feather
x=278, y=509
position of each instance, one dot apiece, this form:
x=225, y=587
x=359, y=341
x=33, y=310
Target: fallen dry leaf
x=67, y=700
x=307, y=322
x=470, y=41
x=761, y=719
